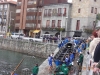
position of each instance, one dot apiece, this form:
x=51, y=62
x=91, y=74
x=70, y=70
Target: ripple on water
x=9, y=60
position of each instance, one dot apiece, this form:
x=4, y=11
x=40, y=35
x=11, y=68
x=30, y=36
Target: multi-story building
x=84, y=14
x=28, y=16
x=56, y=17
x=5, y=0
x=7, y=16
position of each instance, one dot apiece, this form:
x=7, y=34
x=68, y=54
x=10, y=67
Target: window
x=64, y=11
x=49, y=12
x=5, y=7
x=48, y=23
x=31, y=9
x=0, y=14
x=59, y=23
x=77, y=24
x=95, y=10
x=18, y=3
x=31, y=2
x=45, y=12
x=59, y=11
x=53, y=23
x=1, y=7
x=4, y=20
x=54, y=12
x=79, y=10
x=92, y=8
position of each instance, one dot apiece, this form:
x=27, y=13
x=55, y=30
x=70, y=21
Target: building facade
x=84, y=14
x=7, y=16
x=56, y=19
x=28, y=16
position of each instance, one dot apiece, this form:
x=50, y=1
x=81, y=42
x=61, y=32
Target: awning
x=36, y=31
x=77, y=34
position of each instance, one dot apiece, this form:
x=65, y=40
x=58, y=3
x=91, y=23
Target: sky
x=70, y=1
x=14, y=0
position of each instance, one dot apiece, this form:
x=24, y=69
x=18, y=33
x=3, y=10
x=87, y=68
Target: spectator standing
x=50, y=63
x=35, y=70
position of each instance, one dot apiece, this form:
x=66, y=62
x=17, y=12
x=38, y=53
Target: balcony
x=53, y=29
x=40, y=3
x=31, y=6
x=30, y=25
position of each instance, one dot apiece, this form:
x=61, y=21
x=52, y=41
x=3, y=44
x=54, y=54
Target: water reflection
x=9, y=60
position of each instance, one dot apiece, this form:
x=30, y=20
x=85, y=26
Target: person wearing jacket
x=97, y=58
x=95, y=50
x=35, y=70
x=94, y=42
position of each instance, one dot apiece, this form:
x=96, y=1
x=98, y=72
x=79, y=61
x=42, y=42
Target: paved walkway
x=43, y=69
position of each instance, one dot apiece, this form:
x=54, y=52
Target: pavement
x=43, y=68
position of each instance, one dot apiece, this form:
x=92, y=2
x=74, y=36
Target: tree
x=88, y=30
x=97, y=17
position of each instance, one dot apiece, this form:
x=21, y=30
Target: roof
x=9, y=2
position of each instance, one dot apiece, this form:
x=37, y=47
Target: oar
x=12, y=73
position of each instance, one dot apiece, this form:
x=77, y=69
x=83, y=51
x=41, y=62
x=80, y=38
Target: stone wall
x=27, y=47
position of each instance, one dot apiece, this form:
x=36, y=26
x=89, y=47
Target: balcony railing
x=53, y=29
x=57, y=14
x=29, y=25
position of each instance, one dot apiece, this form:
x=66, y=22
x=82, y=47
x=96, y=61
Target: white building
x=56, y=17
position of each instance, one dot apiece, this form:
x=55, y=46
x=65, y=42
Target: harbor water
x=9, y=60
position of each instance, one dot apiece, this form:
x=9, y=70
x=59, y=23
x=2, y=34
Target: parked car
x=1, y=35
x=46, y=35
x=33, y=39
x=17, y=35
